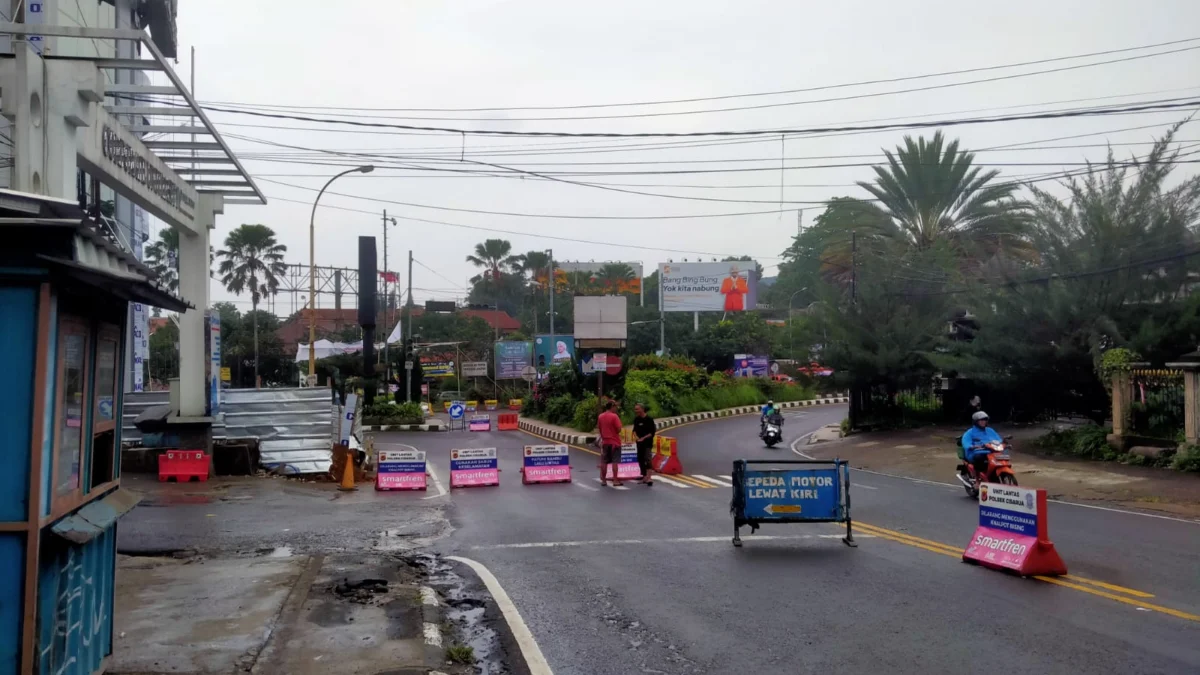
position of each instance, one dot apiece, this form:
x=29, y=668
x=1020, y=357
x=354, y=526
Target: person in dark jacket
x=643, y=434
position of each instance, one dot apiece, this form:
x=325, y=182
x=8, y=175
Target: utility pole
x=662, y=319
x=550, y=255
x=854, y=267
x=387, y=308
x=410, y=356
x=799, y=222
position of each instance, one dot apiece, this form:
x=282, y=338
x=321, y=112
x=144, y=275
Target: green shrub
x=1187, y=459
x=586, y=413
x=1087, y=442
x=560, y=409
x=391, y=413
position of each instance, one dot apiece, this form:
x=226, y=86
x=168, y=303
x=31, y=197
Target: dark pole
x=853, y=267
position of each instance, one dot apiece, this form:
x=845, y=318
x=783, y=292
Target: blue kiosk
x=65, y=288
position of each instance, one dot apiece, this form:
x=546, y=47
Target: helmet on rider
x=770, y=402
x=980, y=417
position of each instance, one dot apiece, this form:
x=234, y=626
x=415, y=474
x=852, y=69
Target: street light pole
x=312, y=273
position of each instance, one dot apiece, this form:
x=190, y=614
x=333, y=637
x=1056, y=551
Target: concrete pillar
x=1191, y=405
x=1121, y=399
x=194, y=287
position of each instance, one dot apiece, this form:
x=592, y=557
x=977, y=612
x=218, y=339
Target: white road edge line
x=534, y=660
x=956, y=487
x=677, y=540
x=429, y=596
x=584, y=486
x=711, y=480
x=436, y=483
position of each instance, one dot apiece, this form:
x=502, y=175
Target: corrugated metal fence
x=293, y=426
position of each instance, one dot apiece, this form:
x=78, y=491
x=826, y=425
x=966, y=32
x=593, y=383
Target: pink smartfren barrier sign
x=1013, y=532
x=474, y=467
x=546, y=464
x=400, y=470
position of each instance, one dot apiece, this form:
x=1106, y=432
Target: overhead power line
x=963, y=71
x=1134, y=109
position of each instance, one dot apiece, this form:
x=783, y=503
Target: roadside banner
x=628, y=467
x=400, y=470
x=473, y=467
x=1013, y=532
x=546, y=464
x=511, y=359
x=480, y=423
x=806, y=491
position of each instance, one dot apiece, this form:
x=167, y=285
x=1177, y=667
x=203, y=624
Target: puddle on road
x=281, y=552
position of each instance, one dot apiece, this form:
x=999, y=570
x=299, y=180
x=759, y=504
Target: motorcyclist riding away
x=975, y=440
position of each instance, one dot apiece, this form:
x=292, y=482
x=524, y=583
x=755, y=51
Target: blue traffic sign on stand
x=456, y=410
x=784, y=493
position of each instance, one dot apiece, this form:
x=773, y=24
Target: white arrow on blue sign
x=456, y=411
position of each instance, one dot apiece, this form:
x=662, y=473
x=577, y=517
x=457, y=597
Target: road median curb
x=543, y=429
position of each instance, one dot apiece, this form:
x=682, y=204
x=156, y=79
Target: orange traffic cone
x=347, y=484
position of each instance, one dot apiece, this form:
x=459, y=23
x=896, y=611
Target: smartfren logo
x=1002, y=545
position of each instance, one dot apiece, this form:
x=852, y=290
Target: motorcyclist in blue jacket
x=768, y=414
x=974, y=440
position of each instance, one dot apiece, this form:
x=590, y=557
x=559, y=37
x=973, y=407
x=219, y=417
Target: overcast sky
x=379, y=54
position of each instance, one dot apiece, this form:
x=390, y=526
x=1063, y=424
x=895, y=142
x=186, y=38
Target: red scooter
x=999, y=469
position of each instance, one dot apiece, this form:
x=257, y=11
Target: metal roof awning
x=206, y=149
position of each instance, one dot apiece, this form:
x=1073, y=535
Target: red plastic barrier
x=183, y=465
x=666, y=456
x=507, y=422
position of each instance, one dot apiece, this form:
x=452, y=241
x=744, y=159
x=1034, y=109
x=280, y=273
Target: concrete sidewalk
x=275, y=613
x=929, y=453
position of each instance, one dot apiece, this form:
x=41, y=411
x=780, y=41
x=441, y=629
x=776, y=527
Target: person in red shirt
x=734, y=288
x=609, y=426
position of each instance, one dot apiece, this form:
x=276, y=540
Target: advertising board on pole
x=708, y=287
x=400, y=470
x=1013, y=532
x=511, y=359
x=750, y=365
x=546, y=464
x=551, y=352
x=474, y=368
x=474, y=467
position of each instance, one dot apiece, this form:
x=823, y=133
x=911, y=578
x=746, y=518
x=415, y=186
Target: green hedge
x=393, y=413
x=1091, y=442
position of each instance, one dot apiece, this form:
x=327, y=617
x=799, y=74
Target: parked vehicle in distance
x=780, y=377
x=447, y=396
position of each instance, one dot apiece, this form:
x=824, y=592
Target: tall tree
x=252, y=260
x=494, y=257
x=615, y=277
x=929, y=194
x=534, y=263
x=162, y=257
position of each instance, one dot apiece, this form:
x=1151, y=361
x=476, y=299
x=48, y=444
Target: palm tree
x=536, y=264
x=930, y=194
x=253, y=260
x=613, y=277
x=162, y=257
x=493, y=256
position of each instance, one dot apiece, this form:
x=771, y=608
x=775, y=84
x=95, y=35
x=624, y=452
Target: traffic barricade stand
x=1013, y=532
x=472, y=406
x=515, y=403
x=627, y=435
x=628, y=466
x=183, y=466
x=546, y=464
x=507, y=422
x=400, y=470
x=474, y=467
x=480, y=423
x=491, y=404
x=807, y=491
x=666, y=456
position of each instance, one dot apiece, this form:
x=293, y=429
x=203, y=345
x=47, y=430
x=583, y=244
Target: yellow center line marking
x=689, y=480
x=1065, y=581
x=957, y=550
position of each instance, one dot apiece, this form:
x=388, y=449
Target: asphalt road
x=645, y=580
